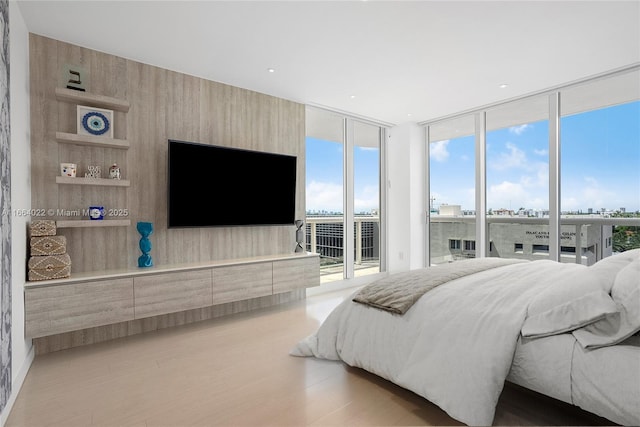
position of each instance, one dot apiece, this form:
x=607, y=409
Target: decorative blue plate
x=95, y=123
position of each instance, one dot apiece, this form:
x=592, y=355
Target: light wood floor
x=237, y=371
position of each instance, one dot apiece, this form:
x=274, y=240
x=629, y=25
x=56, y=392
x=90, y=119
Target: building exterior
x=324, y=235
x=453, y=238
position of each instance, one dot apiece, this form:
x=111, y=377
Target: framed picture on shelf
x=95, y=121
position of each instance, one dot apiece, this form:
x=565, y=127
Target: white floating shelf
x=93, y=181
x=96, y=141
x=76, y=223
x=92, y=100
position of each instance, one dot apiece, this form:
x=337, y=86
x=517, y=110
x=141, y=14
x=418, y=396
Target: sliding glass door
x=366, y=199
x=343, y=198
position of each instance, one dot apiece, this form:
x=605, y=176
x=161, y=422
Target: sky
x=325, y=177
x=600, y=167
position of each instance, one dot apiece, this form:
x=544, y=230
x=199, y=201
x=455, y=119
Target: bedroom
x=404, y=221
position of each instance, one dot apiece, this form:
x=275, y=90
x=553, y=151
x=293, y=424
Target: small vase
x=145, y=229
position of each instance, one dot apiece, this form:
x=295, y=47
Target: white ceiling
x=404, y=61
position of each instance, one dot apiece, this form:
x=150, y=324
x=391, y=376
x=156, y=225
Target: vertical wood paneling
x=164, y=105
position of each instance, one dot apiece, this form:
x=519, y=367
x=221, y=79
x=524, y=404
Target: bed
x=454, y=333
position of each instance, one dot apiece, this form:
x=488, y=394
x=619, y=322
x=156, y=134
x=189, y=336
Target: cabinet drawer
x=56, y=309
x=295, y=274
x=171, y=292
x=239, y=282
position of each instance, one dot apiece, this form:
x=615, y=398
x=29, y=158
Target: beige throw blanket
x=397, y=292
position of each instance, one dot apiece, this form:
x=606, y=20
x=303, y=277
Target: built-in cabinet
x=58, y=306
x=72, y=306
x=170, y=292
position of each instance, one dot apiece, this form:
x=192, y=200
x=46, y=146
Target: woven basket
x=43, y=227
x=49, y=267
x=48, y=245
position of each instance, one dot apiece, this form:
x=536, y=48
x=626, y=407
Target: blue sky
x=324, y=177
x=600, y=166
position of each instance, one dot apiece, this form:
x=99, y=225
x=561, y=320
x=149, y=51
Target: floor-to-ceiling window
x=452, y=190
x=557, y=173
x=325, y=190
x=600, y=134
x=366, y=198
x=343, y=170
x=517, y=170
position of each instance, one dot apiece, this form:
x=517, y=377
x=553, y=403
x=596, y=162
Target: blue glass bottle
x=145, y=229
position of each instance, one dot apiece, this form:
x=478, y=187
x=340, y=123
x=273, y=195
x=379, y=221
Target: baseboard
x=17, y=385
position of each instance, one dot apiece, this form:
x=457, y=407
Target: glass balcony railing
x=324, y=235
x=583, y=239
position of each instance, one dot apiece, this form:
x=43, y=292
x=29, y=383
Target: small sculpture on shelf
x=94, y=171
x=114, y=171
x=145, y=229
x=299, y=235
x=96, y=213
x=68, y=169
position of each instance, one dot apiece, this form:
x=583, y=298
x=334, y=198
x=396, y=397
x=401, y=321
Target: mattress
x=593, y=380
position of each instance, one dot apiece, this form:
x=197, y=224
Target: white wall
x=406, y=195
x=22, y=350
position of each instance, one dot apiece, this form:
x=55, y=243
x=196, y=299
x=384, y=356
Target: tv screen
x=211, y=186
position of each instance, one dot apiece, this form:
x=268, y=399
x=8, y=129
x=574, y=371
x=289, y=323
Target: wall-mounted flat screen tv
x=213, y=186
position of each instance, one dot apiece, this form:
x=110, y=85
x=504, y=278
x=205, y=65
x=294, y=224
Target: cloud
x=519, y=130
x=539, y=176
x=593, y=195
x=514, y=195
x=589, y=193
x=504, y=195
x=541, y=152
x=513, y=158
x=438, y=150
x=366, y=199
x=324, y=196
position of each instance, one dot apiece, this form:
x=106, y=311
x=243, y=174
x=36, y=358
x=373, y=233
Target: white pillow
x=615, y=328
x=569, y=315
x=575, y=298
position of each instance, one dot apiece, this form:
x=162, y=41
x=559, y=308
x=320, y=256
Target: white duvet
x=454, y=347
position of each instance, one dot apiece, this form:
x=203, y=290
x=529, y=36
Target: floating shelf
x=76, y=223
x=93, y=181
x=92, y=100
x=96, y=141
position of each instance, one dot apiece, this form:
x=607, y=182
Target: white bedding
x=456, y=345
x=544, y=365
x=606, y=381
x=595, y=380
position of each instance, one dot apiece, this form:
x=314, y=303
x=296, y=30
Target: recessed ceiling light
x=352, y=96
x=408, y=114
x=503, y=85
x=271, y=70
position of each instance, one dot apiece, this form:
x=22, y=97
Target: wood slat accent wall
x=163, y=105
